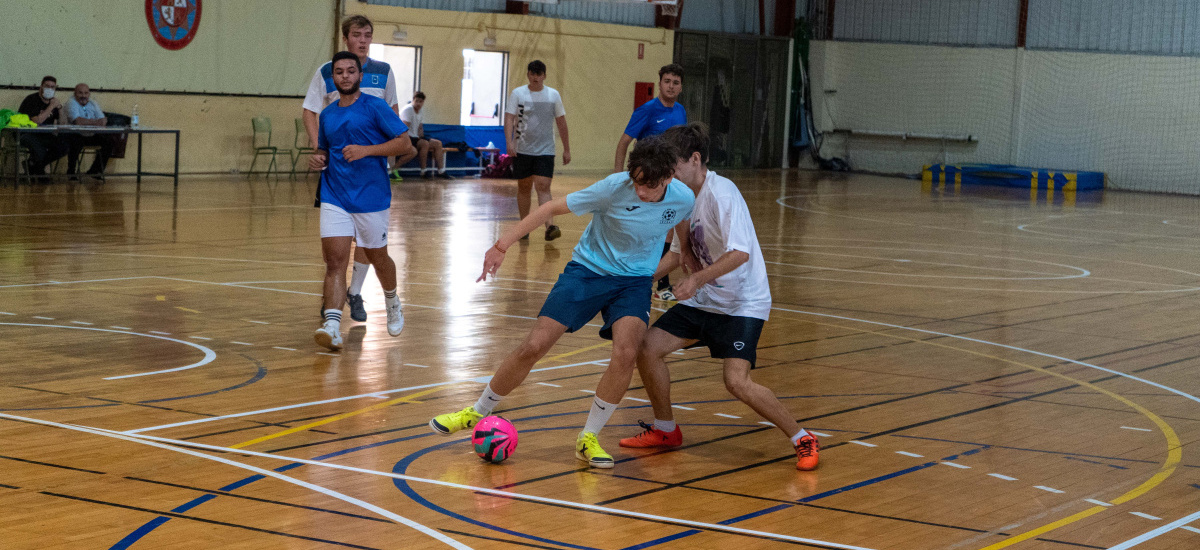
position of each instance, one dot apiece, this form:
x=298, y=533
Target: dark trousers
x=43, y=149
x=76, y=143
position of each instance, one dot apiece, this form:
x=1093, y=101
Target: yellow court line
x=1174, y=448
x=324, y=421
x=385, y=404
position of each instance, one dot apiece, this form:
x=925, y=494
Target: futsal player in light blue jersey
x=651, y=119
x=610, y=268
x=356, y=135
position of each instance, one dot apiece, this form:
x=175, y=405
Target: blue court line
x=258, y=375
x=811, y=498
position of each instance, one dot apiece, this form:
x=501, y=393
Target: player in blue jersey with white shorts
x=357, y=134
x=651, y=119
x=609, y=270
x=377, y=80
x=726, y=301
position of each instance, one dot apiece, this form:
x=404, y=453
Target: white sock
x=334, y=315
x=796, y=438
x=599, y=415
x=357, y=276
x=664, y=425
x=487, y=401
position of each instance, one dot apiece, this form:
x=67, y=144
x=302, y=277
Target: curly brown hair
x=652, y=161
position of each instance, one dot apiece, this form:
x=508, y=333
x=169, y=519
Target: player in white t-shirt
x=377, y=80
x=530, y=117
x=725, y=302
x=415, y=120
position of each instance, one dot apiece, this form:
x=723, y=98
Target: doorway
x=484, y=87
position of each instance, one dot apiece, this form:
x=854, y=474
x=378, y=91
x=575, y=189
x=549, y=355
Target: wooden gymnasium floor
x=988, y=369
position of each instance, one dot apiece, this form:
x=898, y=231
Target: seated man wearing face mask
x=44, y=109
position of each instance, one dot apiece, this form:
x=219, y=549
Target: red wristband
x=497, y=247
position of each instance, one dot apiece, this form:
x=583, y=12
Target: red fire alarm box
x=642, y=92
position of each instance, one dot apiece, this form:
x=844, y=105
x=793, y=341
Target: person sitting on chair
x=82, y=111
x=45, y=110
x=412, y=117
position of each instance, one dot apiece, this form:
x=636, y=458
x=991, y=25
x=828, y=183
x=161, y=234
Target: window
x=406, y=64
x=484, y=87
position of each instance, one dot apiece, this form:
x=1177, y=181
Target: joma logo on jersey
x=375, y=79
x=668, y=216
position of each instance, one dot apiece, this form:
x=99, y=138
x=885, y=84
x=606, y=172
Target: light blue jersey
x=625, y=236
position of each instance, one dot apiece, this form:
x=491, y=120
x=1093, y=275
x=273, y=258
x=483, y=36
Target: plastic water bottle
x=133, y=119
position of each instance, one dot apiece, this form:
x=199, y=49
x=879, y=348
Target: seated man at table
x=45, y=110
x=415, y=120
x=82, y=111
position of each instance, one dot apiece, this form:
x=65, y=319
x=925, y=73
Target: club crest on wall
x=173, y=23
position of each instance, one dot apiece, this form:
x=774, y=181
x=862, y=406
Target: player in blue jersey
x=357, y=134
x=609, y=270
x=651, y=119
x=377, y=80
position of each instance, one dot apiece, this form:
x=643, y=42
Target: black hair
x=652, y=161
x=346, y=55
x=419, y=95
x=49, y=78
x=689, y=138
x=537, y=67
x=674, y=68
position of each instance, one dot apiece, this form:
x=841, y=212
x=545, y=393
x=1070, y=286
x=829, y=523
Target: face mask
x=48, y=93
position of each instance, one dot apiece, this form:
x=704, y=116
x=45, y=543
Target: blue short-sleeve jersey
x=362, y=185
x=653, y=118
x=625, y=236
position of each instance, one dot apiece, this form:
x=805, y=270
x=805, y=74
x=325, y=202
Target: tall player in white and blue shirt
x=377, y=80
x=609, y=270
x=357, y=134
x=651, y=119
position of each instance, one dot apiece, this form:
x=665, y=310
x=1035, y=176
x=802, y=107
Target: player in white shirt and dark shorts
x=377, y=80
x=725, y=300
x=530, y=117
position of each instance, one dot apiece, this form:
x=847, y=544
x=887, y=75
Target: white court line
x=906, y=453
x=257, y=322
x=773, y=425
x=85, y=323
x=1156, y=532
x=863, y=443
x=200, y=337
x=1147, y=516
x=159, y=332
x=241, y=343
x=209, y=355
x=283, y=348
x=555, y=385
x=73, y=282
x=144, y=211
x=956, y=465
x=1097, y=502
x=1048, y=489
x=329, y=354
x=682, y=407
x=587, y=391
x=1004, y=477
x=6, y=313
x=637, y=399
x=505, y=494
x=1138, y=429
x=818, y=434
x=43, y=318
x=119, y=328
x=271, y=473
x=322, y=402
x=1189, y=528
x=723, y=415
x=416, y=365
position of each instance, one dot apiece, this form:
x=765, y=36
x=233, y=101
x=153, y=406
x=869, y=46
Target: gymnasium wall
x=272, y=48
x=1134, y=117
x=593, y=66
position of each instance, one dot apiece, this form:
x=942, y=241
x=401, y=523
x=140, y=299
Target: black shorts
x=525, y=166
x=415, y=141
x=726, y=336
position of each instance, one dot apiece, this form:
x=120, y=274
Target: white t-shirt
x=720, y=223
x=412, y=119
x=377, y=80
x=536, y=112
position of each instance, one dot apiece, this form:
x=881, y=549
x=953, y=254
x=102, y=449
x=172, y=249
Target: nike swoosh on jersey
x=659, y=121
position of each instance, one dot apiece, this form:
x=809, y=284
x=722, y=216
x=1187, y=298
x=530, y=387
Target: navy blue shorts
x=725, y=336
x=581, y=293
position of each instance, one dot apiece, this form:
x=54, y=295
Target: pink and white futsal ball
x=495, y=439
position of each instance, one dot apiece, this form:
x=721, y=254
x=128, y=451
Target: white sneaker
x=329, y=335
x=395, y=321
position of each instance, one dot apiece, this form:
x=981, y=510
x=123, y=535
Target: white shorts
x=368, y=228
